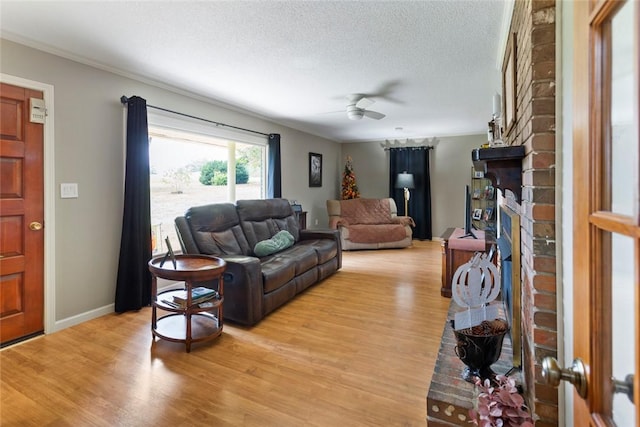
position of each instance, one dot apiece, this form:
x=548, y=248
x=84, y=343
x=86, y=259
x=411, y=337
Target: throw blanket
x=365, y=211
x=370, y=221
x=376, y=233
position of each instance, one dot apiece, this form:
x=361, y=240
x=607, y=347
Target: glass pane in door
x=623, y=312
x=624, y=200
x=624, y=150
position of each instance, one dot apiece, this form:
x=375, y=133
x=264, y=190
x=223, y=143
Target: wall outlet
x=316, y=222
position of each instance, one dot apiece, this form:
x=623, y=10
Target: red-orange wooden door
x=606, y=217
x=21, y=216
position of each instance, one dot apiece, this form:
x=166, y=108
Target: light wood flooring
x=358, y=349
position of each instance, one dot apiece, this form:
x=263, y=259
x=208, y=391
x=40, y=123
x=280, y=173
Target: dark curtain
x=414, y=160
x=133, y=286
x=274, y=174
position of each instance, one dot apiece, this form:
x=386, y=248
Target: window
x=190, y=166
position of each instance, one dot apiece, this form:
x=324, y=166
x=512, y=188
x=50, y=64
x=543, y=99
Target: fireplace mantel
x=502, y=165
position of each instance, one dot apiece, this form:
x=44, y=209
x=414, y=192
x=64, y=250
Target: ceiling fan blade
x=374, y=115
x=364, y=102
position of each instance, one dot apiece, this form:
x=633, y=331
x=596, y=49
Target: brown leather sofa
x=254, y=287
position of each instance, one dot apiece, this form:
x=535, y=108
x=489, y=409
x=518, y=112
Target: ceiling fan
x=357, y=108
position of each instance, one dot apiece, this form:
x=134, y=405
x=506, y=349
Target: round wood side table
x=187, y=322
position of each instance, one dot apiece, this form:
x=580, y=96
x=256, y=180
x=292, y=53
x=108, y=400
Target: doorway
x=47, y=220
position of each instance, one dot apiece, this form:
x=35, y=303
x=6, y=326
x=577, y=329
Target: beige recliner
x=370, y=223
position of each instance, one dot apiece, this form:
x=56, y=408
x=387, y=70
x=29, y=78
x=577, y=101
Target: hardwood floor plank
x=358, y=349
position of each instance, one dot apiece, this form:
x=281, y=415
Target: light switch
x=69, y=190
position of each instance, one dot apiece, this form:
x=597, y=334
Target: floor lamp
x=405, y=180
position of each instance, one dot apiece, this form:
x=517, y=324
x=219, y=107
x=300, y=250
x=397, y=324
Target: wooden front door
x=606, y=231
x=21, y=216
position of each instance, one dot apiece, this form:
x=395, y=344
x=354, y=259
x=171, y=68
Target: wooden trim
x=509, y=85
x=600, y=393
x=516, y=285
x=636, y=380
x=581, y=199
x=615, y=223
x=636, y=222
x=594, y=224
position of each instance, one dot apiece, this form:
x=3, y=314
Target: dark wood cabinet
x=454, y=258
x=302, y=219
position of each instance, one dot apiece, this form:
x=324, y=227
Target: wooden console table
x=193, y=322
x=453, y=258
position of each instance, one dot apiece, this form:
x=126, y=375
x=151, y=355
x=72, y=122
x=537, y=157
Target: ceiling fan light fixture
x=354, y=113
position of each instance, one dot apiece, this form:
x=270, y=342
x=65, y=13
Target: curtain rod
x=426, y=144
x=413, y=147
x=124, y=100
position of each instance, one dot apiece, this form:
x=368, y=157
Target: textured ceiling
x=431, y=66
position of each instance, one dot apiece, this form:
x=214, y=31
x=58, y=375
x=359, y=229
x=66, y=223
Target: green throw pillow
x=281, y=240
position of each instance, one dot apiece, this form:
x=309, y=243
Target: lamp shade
x=404, y=180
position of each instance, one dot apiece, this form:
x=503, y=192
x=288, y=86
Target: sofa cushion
x=262, y=219
x=377, y=233
x=325, y=249
x=216, y=229
x=306, y=279
x=281, y=240
x=302, y=256
x=277, y=271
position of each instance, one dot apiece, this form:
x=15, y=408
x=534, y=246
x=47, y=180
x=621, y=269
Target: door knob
x=625, y=386
x=576, y=374
x=35, y=226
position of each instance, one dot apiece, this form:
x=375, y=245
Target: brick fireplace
x=533, y=26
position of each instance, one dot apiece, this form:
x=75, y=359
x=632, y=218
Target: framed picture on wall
x=509, y=86
x=315, y=170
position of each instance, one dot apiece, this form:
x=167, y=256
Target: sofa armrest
x=243, y=289
x=187, y=242
x=404, y=220
x=335, y=222
x=309, y=234
x=324, y=234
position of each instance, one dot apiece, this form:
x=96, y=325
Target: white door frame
x=49, y=197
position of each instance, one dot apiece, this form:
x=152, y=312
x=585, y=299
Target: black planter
x=479, y=350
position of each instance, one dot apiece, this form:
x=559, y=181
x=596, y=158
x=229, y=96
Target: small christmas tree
x=349, y=187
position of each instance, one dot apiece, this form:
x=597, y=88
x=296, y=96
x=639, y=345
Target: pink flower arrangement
x=500, y=404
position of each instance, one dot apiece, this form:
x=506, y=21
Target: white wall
x=450, y=172
x=564, y=146
x=89, y=151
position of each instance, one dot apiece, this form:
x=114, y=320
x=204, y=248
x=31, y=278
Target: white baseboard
x=107, y=309
x=82, y=317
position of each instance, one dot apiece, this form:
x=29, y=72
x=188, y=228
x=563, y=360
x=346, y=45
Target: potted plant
x=500, y=404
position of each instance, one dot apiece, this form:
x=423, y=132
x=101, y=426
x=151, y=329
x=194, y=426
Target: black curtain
x=414, y=160
x=133, y=286
x=274, y=173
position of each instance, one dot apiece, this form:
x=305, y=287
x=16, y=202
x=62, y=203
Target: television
x=468, y=227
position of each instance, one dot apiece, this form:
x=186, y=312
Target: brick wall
x=533, y=22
